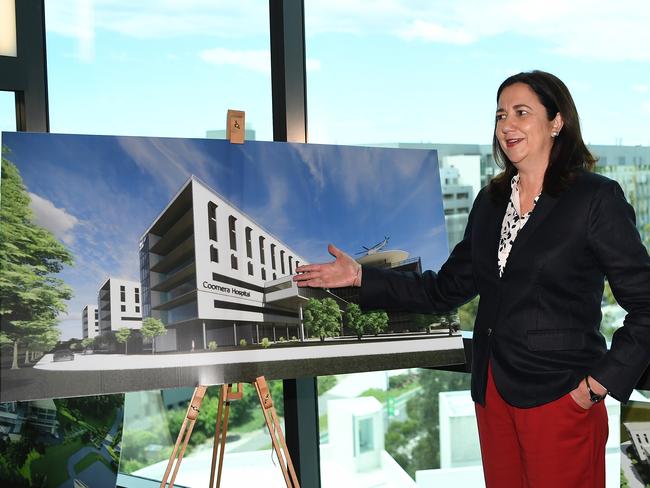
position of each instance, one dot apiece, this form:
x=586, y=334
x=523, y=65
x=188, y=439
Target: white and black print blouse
x=512, y=223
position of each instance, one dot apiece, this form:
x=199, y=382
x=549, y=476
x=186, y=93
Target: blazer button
x=489, y=331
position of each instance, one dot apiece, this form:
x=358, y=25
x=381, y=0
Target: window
x=366, y=440
x=262, y=250
x=7, y=111
x=107, y=82
x=282, y=261
x=409, y=37
x=273, y=257
x=233, y=261
x=137, y=295
x=212, y=220
x=214, y=254
x=263, y=274
x=137, y=309
x=233, y=232
x=250, y=268
x=122, y=293
x=290, y=265
x=249, y=244
x=123, y=308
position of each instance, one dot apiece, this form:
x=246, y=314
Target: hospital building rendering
x=209, y=272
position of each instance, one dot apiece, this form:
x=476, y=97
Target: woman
x=540, y=239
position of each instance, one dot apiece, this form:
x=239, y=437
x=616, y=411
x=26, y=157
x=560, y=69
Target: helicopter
x=376, y=248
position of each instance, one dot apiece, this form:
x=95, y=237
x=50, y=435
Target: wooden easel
x=221, y=428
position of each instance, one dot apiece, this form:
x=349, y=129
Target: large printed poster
x=135, y=263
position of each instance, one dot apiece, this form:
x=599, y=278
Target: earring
x=553, y=134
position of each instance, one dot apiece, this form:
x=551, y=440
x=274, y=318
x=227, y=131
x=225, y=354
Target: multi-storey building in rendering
x=90, y=321
x=209, y=272
x=119, y=304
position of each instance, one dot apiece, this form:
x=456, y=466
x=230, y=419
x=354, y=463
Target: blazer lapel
x=544, y=206
x=493, y=223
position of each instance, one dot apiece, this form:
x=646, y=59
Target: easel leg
x=184, y=436
x=217, y=434
x=221, y=430
x=275, y=431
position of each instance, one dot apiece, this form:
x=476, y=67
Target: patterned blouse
x=512, y=223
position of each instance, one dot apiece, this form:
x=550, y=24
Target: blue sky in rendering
x=378, y=71
x=99, y=194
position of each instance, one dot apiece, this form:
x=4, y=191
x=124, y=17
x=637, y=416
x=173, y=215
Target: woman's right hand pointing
x=343, y=271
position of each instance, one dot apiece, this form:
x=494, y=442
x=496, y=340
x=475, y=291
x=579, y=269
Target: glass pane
x=422, y=431
x=424, y=75
x=158, y=68
x=153, y=419
x=72, y=442
x=7, y=111
x=166, y=69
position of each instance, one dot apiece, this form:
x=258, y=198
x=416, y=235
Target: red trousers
x=557, y=445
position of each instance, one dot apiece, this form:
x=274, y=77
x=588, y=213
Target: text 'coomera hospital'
x=226, y=289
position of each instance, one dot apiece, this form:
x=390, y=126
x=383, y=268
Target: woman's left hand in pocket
x=581, y=396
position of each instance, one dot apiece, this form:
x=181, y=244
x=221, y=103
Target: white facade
x=235, y=262
x=469, y=170
x=457, y=198
x=120, y=305
x=211, y=273
x=90, y=321
x=356, y=428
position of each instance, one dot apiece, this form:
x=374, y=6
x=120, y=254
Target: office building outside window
x=449, y=107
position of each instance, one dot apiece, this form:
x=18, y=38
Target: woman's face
x=522, y=127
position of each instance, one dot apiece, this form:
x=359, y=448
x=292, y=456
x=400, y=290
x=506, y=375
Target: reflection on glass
x=61, y=442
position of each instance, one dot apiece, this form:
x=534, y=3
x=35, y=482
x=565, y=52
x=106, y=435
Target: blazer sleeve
x=428, y=292
x=615, y=241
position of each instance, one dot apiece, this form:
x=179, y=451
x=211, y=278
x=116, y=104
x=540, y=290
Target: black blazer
x=539, y=323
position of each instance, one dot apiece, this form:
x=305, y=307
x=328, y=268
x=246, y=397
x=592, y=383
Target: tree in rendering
x=322, y=318
x=375, y=322
x=152, y=328
x=354, y=319
x=122, y=336
x=31, y=298
x=39, y=343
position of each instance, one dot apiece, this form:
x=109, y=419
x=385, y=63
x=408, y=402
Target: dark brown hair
x=569, y=153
